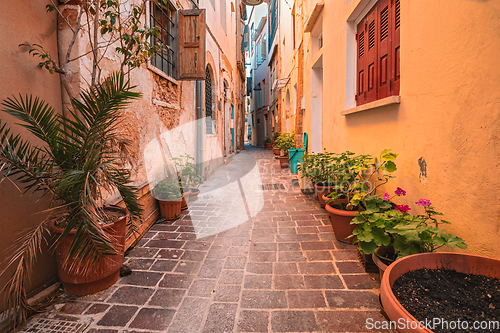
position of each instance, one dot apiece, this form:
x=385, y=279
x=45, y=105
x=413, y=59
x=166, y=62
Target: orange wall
x=19, y=75
x=449, y=112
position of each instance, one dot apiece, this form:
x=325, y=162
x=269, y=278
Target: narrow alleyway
x=242, y=258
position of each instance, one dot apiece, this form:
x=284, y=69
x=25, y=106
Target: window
x=378, y=68
x=208, y=101
x=163, y=18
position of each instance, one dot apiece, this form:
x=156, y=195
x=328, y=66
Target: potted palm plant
x=79, y=163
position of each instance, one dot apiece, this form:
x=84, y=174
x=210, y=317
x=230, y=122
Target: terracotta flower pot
x=185, y=199
x=170, y=210
x=341, y=222
x=194, y=194
x=322, y=190
x=284, y=161
x=276, y=151
x=268, y=145
x=379, y=258
x=463, y=263
x=80, y=281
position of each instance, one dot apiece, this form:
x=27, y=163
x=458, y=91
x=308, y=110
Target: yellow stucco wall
x=449, y=112
x=19, y=75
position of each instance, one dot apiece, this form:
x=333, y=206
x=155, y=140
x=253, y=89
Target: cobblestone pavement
x=240, y=259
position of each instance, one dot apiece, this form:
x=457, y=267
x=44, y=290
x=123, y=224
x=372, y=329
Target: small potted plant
x=284, y=142
x=169, y=196
x=267, y=143
x=189, y=178
x=81, y=160
x=356, y=177
x=276, y=150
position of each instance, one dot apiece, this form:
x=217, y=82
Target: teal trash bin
x=296, y=156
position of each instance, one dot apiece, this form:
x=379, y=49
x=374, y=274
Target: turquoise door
x=232, y=126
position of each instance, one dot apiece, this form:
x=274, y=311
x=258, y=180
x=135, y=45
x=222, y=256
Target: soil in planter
x=110, y=216
x=449, y=296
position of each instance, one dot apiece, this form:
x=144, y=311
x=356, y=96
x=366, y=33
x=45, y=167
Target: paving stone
x=352, y=299
x=231, y=276
x=211, y=269
x=264, y=247
x=258, y=281
x=196, y=246
x=139, y=264
x=289, y=246
x=253, y=321
x=323, y=282
x=319, y=256
x=166, y=235
x=153, y=319
x=74, y=307
x=96, y=308
x=287, y=231
x=307, y=230
x=260, y=268
x=164, y=265
x=359, y=281
x=189, y=317
x=170, y=254
x=263, y=299
x=296, y=256
x=317, y=246
x=293, y=321
x=262, y=238
x=347, y=321
x=227, y=293
x=140, y=278
x=131, y=295
x=262, y=256
x=118, y=315
x=95, y=330
x=239, y=250
x=286, y=224
x=181, y=281
x=167, y=298
x=194, y=255
x=350, y=267
x=304, y=299
x=163, y=227
x=345, y=255
x=264, y=231
x=235, y=262
x=296, y=238
x=221, y=318
x=281, y=268
x=240, y=241
x=284, y=282
x=140, y=252
x=217, y=252
x=165, y=244
x=188, y=267
x=316, y=268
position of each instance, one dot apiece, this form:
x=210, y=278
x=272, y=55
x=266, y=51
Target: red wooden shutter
x=371, y=54
x=361, y=62
x=396, y=74
x=384, y=54
x=192, y=44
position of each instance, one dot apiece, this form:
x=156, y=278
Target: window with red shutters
x=378, y=72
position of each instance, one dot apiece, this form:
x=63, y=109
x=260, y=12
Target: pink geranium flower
x=399, y=191
x=403, y=208
x=386, y=196
x=423, y=202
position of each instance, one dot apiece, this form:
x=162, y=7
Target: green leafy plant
x=384, y=223
x=358, y=176
x=285, y=141
x=267, y=140
x=80, y=161
x=188, y=172
x=168, y=190
x=318, y=167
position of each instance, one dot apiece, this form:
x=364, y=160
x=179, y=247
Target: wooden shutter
x=192, y=44
x=371, y=55
x=361, y=62
x=384, y=54
x=395, y=68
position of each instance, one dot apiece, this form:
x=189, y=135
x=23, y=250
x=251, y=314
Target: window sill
x=160, y=73
x=373, y=105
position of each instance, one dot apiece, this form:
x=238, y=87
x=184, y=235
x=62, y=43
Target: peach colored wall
x=449, y=112
x=19, y=75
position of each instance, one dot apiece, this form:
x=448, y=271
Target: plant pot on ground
x=169, y=196
x=185, y=199
x=341, y=221
x=80, y=161
x=443, y=303
x=284, y=161
x=267, y=143
x=322, y=190
x=194, y=193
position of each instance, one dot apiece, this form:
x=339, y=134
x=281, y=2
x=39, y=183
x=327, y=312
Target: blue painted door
x=232, y=126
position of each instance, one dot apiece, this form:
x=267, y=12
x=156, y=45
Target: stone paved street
x=240, y=259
